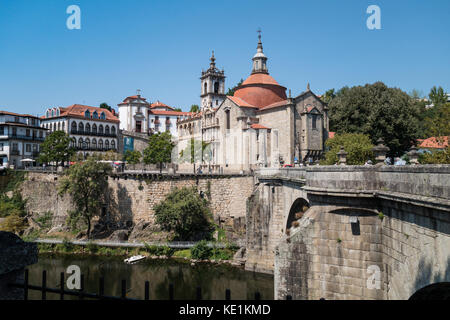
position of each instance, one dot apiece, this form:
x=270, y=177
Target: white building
x=139, y=116
x=92, y=129
x=20, y=138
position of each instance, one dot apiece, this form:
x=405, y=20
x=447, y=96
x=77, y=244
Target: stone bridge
x=371, y=232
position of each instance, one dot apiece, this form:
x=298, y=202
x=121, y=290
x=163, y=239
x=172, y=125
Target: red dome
x=261, y=90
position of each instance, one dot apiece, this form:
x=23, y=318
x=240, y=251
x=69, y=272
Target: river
x=213, y=279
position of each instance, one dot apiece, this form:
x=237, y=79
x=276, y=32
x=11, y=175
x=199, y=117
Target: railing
x=92, y=133
x=23, y=137
x=81, y=294
x=173, y=244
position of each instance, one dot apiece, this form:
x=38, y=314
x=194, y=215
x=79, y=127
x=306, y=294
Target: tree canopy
x=132, y=157
x=159, y=149
x=184, y=212
x=196, y=151
x=86, y=182
x=437, y=96
x=358, y=147
x=378, y=111
x=56, y=147
x=104, y=105
x=194, y=108
x=231, y=91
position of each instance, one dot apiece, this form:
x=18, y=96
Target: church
x=259, y=126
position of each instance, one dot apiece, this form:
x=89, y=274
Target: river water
x=213, y=279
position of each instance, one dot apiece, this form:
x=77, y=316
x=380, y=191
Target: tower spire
x=259, y=59
x=212, y=65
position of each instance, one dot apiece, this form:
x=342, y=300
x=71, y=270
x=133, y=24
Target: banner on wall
x=128, y=144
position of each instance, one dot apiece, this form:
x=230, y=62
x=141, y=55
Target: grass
x=185, y=253
x=380, y=215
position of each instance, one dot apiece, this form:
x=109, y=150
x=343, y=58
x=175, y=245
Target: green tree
x=159, y=149
x=436, y=157
x=378, y=111
x=56, y=147
x=358, y=147
x=184, y=212
x=194, y=108
x=416, y=94
x=231, y=91
x=437, y=96
x=438, y=124
x=132, y=157
x=178, y=110
x=328, y=96
x=86, y=182
x=196, y=151
x=104, y=105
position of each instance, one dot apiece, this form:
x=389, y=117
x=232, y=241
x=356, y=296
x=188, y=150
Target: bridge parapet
x=285, y=173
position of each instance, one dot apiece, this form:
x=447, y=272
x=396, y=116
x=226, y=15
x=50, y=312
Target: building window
x=15, y=147
x=80, y=127
x=1, y=146
x=87, y=114
x=113, y=144
x=314, y=120
x=80, y=143
x=217, y=102
x=113, y=130
x=103, y=116
x=94, y=143
x=27, y=132
x=87, y=128
x=95, y=116
x=40, y=134
x=100, y=144
x=94, y=128
x=35, y=147
x=28, y=147
x=107, y=145
x=2, y=130
x=107, y=130
x=100, y=129
x=227, y=115
x=74, y=126
x=216, y=87
x=205, y=88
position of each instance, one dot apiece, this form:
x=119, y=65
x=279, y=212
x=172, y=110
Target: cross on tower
x=259, y=33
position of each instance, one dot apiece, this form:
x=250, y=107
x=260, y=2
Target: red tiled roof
x=169, y=113
x=17, y=114
x=276, y=104
x=434, y=143
x=240, y=102
x=125, y=101
x=78, y=110
x=258, y=126
x=260, y=78
x=159, y=104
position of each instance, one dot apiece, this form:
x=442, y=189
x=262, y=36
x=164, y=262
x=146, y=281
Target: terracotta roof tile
x=276, y=104
x=241, y=103
x=434, y=143
x=78, y=110
x=258, y=126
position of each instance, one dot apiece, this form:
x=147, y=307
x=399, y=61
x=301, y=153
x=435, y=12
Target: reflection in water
x=213, y=279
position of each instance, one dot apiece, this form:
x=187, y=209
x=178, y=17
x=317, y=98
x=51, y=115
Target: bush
x=437, y=157
x=13, y=223
x=184, y=212
x=357, y=146
x=45, y=219
x=92, y=247
x=201, y=250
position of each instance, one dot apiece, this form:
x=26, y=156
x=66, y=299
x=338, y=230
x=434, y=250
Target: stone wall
x=402, y=230
x=131, y=198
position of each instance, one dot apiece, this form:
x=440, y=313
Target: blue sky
x=161, y=47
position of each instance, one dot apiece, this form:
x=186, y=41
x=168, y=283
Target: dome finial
x=213, y=59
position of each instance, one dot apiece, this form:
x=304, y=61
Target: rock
x=15, y=255
x=192, y=264
x=55, y=229
x=240, y=256
x=119, y=235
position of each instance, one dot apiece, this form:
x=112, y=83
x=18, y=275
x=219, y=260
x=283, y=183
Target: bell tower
x=212, y=86
x=259, y=59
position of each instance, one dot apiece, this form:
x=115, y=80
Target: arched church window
x=216, y=87
x=100, y=129
x=87, y=128
x=314, y=120
x=74, y=126
x=227, y=119
x=106, y=129
x=205, y=88
x=80, y=127
x=94, y=128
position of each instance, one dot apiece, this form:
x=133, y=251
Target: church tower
x=213, y=86
x=259, y=59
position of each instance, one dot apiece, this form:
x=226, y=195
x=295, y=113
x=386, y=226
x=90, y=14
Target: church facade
x=259, y=126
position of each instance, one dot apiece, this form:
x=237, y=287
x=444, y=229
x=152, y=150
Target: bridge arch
x=435, y=291
x=296, y=211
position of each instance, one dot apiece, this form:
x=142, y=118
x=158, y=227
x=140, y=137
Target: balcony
x=15, y=152
x=93, y=133
x=25, y=137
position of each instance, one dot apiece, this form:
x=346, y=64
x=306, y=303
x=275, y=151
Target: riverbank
x=201, y=252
